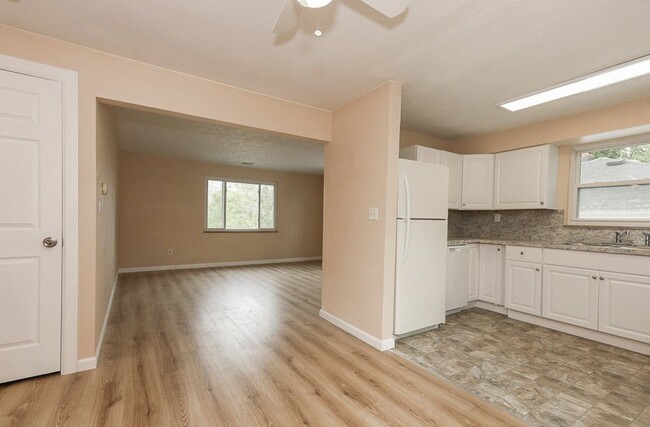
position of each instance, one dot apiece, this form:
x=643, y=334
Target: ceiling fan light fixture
x=314, y=4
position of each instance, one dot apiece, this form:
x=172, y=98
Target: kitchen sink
x=606, y=245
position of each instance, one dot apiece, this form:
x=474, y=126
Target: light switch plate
x=373, y=214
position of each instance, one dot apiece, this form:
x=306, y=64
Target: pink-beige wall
x=409, y=137
x=162, y=206
x=563, y=131
x=106, y=255
x=361, y=172
x=110, y=77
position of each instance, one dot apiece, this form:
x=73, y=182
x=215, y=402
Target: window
x=239, y=205
x=611, y=185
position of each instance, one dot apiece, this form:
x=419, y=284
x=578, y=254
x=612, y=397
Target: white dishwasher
x=458, y=276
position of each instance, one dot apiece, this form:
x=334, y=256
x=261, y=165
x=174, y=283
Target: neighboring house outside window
x=235, y=205
x=611, y=185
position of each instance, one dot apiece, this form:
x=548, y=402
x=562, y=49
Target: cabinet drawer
x=522, y=253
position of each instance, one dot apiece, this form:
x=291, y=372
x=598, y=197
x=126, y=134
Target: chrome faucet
x=620, y=235
x=647, y=239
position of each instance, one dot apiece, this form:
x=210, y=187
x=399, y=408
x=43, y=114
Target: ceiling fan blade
x=388, y=8
x=288, y=18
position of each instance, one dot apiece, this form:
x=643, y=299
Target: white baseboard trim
x=91, y=362
x=381, y=345
x=217, y=264
x=86, y=364
x=589, y=334
x=487, y=306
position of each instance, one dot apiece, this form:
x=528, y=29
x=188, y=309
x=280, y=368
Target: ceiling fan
x=288, y=18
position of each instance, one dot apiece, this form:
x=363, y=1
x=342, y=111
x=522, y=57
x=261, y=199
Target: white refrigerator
x=421, y=256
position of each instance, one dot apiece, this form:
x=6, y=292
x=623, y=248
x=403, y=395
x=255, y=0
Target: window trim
x=206, y=229
x=575, y=186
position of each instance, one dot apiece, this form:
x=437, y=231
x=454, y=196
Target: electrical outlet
x=497, y=217
x=170, y=252
x=373, y=214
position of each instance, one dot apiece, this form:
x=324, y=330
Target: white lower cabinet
x=490, y=287
x=472, y=292
x=523, y=287
x=570, y=295
x=624, y=307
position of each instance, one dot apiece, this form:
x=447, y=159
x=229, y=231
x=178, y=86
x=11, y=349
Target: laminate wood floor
x=238, y=346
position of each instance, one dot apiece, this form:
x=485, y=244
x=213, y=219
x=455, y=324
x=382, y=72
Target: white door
x=570, y=295
x=523, y=287
x=420, y=275
x=423, y=189
x=30, y=211
x=490, y=286
x=625, y=306
x=478, y=182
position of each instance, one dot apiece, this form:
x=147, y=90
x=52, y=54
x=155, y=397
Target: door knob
x=49, y=242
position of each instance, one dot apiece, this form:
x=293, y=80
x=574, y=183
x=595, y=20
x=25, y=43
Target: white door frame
x=70, y=267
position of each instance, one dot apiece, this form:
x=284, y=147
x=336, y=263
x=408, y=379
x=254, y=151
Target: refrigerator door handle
x=408, y=197
x=408, y=219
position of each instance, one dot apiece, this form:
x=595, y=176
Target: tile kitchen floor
x=543, y=376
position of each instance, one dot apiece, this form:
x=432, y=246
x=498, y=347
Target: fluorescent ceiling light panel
x=609, y=76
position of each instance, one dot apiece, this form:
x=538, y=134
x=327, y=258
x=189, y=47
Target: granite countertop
x=585, y=247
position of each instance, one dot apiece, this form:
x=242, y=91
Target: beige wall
x=409, y=137
x=361, y=172
x=162, y=206
x=111, y=77
x=564, y=132
x=106, y=255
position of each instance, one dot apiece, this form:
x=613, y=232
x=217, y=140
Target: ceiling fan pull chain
x=318, y=32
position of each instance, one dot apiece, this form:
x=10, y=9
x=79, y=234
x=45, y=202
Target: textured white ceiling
x=152, y=133
x=456, y=58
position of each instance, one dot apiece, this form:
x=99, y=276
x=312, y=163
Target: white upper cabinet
x=439, y=157
x=526, y=178
x=478, y=182
x=455, y=163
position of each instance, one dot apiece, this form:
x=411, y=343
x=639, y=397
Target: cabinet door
x=490, y=288
x=455, y=163
x=473, y=272
x=570, y=295
x=625, y=306
x=523, y=287
x=526, y=179
x=478, y=182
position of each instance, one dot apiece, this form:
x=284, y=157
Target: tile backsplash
x=545, y=225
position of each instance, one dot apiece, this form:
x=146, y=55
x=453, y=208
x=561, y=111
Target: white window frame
x=575, y=185
x=240, y=181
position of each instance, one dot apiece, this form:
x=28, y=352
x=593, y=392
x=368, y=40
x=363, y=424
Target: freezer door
x=420, y=284
x=423, y=190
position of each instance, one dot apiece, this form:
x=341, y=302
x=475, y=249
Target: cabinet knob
x=601, y=278
x=498, y=249
x=594, y=277
x=541, y=203
x=522, y=253
x=537, y=269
